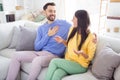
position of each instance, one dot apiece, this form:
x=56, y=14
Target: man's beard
x=51, y=18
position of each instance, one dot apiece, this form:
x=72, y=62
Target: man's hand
x=53, y=31
x=58, y=39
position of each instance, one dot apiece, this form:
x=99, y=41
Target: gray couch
x=6, y=38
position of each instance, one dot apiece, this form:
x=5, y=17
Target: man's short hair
x=48, y=4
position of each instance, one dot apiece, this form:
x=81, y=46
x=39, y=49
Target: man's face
x=50, y=13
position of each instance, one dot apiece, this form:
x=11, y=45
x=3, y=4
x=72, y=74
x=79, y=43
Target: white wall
x=8, y=5
x=0, y=1
x=92, y=7
x=38, y=4
x=113, y=10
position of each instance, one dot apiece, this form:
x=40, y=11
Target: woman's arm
x=82, y=53
x=91, y=49
x=60, y=40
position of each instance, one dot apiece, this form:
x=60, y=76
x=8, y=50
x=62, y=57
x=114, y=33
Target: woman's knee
x=54, y=60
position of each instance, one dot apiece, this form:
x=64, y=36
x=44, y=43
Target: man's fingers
x=56, y=28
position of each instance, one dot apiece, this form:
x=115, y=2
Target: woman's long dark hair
x=83, y=21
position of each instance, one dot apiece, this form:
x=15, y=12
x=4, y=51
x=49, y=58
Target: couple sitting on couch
x=81, y=45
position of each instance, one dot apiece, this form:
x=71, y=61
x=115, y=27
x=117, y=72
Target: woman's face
x=74, y=20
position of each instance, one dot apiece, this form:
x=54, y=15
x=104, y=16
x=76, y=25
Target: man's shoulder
x=43, y=25
x=61, y=21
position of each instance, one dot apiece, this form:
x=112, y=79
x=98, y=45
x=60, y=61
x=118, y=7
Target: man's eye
x=50, y=11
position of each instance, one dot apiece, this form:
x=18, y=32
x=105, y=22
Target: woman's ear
x=88, y=30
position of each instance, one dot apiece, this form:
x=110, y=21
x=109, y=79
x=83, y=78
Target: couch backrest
x=103, y=41
x=6, y=31
x=114, y=43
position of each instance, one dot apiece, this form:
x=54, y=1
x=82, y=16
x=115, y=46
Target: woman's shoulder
x=92, y=35
x=71, y=28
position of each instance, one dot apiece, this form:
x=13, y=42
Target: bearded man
x=46, y=48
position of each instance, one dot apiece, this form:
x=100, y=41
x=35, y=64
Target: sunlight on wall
x=92, y=6
x=65, y=8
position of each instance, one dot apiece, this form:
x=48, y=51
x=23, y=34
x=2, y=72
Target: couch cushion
x=42, y=75
x=4, y=65
x=107, y=41
x=26, y=69
x=105, y=63
x=16, y=32
x=26, y=39
x=6, y=32
x=84, y=76
x=7, y=52
x=117, y=73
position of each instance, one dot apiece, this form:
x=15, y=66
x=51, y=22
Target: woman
x=80, y=49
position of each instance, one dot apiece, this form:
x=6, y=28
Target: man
x=45, y=45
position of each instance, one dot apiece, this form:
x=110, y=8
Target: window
x=103, y=15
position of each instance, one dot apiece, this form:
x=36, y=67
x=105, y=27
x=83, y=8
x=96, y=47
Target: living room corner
x=20, y=19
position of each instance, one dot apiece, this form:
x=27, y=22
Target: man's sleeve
x=41, y=40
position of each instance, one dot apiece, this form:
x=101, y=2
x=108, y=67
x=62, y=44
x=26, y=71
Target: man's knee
x=39, y=60
x=18, y=56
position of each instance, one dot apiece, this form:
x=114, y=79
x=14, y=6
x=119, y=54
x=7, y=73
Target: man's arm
x=40, y=41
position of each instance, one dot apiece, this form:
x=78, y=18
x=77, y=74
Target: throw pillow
x=117, y=73
x=105, y=64
x=14, y=38
x=26, y=39
x=39, y=18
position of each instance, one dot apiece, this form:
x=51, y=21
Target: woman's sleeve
x=91, y=47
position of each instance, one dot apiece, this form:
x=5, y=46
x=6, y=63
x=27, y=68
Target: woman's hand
x=81, y=52
x=78, y=52
x=59, y=39
x=95, y=39
x=53, y=31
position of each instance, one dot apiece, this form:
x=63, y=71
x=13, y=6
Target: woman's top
x=88, y=47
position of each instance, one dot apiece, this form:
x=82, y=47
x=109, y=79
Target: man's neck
x=49, y=22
